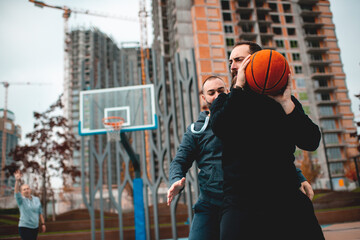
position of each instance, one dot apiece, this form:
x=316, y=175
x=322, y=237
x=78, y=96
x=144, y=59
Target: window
x=282, y=53
x=323, y=97
x=273, y=7
x=316, y=57
x=328, y=124
x=320, y=69
x=228, y=29
x=336, y=168
x=331, y=138
x=287, y=8
x=300, y=83
x=225, y=5
x=311, y=31
x=293, y=44
x=298, y=69
x=242, y=4
x=230, y=42
x=313, y=44
x=309, y=19
x=227, y=16
x=291, y=31
x=263, y=29
x=289, y=19
x=279, y=43
x=322, y=83
x=296, y=56
x=333, y=153
x=277, y=30
x=245, y=16
x=246, y=28
x=303, y=96
x=275, y=18
x=326, y=111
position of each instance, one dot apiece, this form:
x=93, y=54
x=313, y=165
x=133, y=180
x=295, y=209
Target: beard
x=208, y=104
x=233, y=78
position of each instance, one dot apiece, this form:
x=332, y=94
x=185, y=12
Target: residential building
x=302, y=30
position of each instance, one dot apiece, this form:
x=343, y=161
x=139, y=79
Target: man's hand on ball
x=240, y=77
x=284, y=98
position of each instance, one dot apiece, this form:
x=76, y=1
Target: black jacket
x=259, y=141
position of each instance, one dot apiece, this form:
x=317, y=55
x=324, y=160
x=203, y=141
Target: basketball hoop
x=113, y=127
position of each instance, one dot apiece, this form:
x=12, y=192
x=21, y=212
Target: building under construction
x=302, y=30
x=13, y=135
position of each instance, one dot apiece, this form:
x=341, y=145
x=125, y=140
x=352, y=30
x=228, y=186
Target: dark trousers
x=273, y=217
x=206, y=222
x=28, y=233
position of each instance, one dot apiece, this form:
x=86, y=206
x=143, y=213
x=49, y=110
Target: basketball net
x=113, y=127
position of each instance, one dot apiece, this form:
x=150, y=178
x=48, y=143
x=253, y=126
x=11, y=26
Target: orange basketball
x=267, y=72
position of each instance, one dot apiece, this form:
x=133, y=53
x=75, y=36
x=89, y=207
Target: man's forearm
x=17, y=186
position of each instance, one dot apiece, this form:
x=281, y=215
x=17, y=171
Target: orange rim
x=114, y=124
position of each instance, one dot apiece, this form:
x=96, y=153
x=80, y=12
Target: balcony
x=329, y=145
x=265, y=21
x=338, y=130
x=326, y=102
x=246, y=22
x=266, y=35
x=312, y=24
x=246, y=34
x=324, y=89
x=322, y=75
x=244, y=10
x=314, y=36
x=263, y=9
x=314, y=62
x=308, y=1
x=332, y=116
x=317, y=49
x=310, y=12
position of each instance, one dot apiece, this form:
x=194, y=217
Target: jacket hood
x=201, y=124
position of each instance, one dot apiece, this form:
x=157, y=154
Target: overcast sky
x=31, y=47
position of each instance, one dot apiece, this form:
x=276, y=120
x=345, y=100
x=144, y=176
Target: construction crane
x=3, y=152
x=143, y=14
x=144, y=50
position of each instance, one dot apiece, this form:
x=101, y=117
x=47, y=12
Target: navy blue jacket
x=201, y=145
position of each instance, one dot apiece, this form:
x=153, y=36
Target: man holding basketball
x=201, y=145
x=260, y=134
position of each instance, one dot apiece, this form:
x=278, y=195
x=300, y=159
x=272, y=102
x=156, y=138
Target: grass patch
x=8, y=222
x=336, y=209
x=356, y=190
x=316, y=196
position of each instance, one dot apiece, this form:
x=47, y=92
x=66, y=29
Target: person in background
x=30, y=210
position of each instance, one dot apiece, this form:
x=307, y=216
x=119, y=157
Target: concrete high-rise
x=13, y=135
x=93, y=61
x=302, y=30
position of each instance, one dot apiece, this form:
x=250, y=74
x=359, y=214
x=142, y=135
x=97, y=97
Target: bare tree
x=49, y=153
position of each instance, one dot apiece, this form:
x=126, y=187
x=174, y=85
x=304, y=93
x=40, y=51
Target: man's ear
x=203, y=97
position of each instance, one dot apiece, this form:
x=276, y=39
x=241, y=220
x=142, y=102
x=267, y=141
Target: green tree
x=49, y=151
